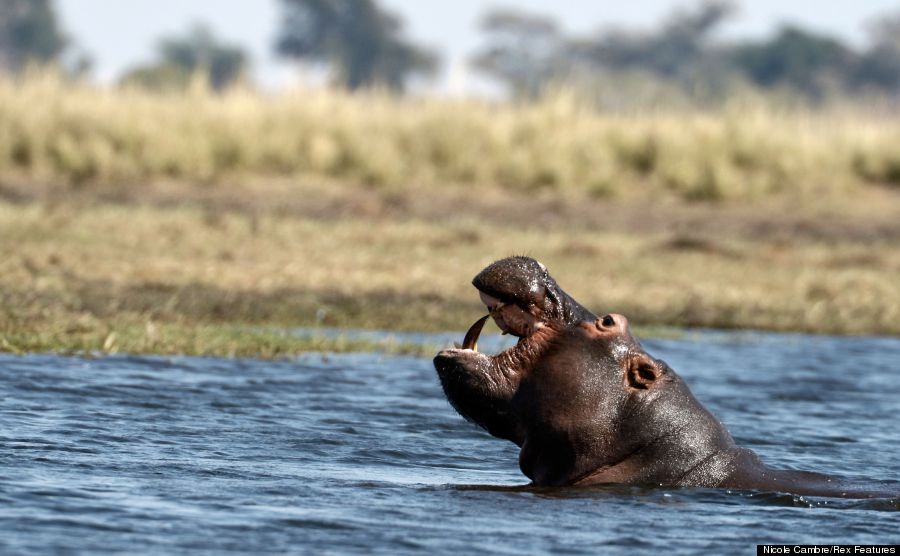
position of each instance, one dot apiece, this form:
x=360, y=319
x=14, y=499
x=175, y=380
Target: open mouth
x=510, y=317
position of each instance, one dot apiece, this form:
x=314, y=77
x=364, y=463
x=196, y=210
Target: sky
x=120, y=34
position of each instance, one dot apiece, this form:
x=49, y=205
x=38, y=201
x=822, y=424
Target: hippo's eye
x=608, y=321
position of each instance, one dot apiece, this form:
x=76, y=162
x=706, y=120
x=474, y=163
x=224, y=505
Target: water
x=361, y=453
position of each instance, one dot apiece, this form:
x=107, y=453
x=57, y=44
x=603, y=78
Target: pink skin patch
x=511, y=318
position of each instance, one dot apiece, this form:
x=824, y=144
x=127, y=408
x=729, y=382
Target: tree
x=29, y=31
x=361, y=42
x=179, y=58
x=524, y=51
x=879, y=66
x=885, y=31
x=673, y=51
x=805, y=61
x=682, y=57
x=878, y=69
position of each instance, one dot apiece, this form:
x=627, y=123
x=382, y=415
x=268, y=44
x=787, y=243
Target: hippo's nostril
x=608, y=321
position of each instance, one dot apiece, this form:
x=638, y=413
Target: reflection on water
x=360, y=453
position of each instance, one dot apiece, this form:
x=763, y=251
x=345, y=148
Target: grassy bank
x=206, y=224
x=64, y=134
x=223, y=274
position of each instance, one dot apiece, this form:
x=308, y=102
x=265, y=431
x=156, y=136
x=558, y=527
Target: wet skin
x=587, y=405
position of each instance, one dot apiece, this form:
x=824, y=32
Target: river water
x=360, y=453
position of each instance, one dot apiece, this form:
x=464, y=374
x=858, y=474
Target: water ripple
x=360, y=453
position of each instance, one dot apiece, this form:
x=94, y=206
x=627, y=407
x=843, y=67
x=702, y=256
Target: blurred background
x=703, y=51
x=205, y=177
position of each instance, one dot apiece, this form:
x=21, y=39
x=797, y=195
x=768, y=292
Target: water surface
x=360, y=453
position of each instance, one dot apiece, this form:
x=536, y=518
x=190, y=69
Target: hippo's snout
x=445, y=362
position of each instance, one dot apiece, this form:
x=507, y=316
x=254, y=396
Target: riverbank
x=169, y=269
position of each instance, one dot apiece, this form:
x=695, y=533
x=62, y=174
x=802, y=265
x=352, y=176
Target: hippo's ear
x=643, y=371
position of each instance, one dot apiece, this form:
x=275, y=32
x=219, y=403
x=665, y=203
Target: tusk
x=471, y=339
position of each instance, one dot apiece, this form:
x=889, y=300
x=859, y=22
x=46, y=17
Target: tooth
x=471, y=339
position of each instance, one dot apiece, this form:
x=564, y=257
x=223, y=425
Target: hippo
x=587, y=405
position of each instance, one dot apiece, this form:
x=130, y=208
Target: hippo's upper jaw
x=521, y=296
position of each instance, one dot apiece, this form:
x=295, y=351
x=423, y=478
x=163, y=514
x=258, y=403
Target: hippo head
x=577, y=393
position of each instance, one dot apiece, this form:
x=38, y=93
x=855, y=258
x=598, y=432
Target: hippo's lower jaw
x=530, y=324
x=480, y=386
x=534, y=335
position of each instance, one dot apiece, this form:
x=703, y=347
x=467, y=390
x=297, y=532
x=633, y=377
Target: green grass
x=223, y=340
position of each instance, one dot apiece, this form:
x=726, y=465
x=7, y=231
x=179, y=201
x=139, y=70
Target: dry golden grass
x=53, y=132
